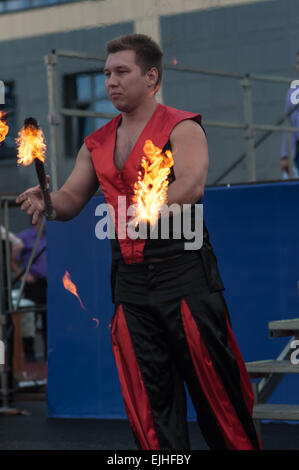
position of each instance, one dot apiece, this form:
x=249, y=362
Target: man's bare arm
x=71, y=198
x=191, y=163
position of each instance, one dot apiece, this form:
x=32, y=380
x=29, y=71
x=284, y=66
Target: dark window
x=84, y=91
x=14, y=5
x=8, y=146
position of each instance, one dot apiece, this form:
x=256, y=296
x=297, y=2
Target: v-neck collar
x=141, y=135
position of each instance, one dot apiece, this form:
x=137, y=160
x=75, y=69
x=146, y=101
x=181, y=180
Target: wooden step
x=269, y=411
x=284, y=327
x=263, y=368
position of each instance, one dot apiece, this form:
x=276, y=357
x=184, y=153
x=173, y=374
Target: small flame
x=175, y=61
x=155, y=90
x=71, y=287
x=97, y=322
x=150, y=189
x=30, y=145
x=3, y=127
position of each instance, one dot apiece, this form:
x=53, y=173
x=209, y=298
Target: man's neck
x=139, y=115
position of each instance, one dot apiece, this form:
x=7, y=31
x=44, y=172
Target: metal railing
x=7, y=305
x=249, y=127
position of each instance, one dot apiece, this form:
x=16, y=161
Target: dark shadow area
x=37, y=432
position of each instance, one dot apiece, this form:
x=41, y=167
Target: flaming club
x=31, y=147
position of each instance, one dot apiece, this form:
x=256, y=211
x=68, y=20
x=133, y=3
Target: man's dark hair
x=148, y=52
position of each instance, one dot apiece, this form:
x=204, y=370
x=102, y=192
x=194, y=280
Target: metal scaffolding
x=249, y=127
x=7, y=305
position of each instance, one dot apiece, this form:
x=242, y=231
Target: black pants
x=169, y=329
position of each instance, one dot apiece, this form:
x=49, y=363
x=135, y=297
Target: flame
x=3, y=127
x=175, y=61
x=155, y=90
x=71, y=287
x=150, y=189
x=97, y=322
x=30, y=145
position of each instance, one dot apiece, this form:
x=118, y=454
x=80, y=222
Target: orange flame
x=3, y=127
x=30, y=145
x=150, y=189
x=155, y=90
x=97, y=322
x=175, y=61
x=71, y=287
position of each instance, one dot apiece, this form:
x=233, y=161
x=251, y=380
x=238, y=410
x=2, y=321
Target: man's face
x=125, y=84
x=297, y=63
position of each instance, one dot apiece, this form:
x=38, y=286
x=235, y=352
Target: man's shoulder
x=180, y=113
x=99, y=135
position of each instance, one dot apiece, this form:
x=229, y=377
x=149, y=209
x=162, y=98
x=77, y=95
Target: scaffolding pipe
x=53, y=118
x=249, y=134
x=4, y=381
x=83, y=113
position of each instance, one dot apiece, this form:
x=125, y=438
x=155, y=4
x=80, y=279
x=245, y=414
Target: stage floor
x=37, y=432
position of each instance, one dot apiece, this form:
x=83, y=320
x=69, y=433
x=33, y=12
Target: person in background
x=36, y=284
x=14, y=240
x=294, y=122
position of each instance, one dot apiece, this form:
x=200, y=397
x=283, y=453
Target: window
x=8, y=146
x=15, y=5
x=84, y=91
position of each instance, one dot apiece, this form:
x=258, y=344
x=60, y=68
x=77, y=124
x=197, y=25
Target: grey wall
x=260, y=38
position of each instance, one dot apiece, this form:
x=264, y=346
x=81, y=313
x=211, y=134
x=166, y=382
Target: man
x=36, y=284
x=170, y=323
x=294, y=122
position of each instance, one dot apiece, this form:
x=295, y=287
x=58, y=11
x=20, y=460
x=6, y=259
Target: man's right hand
x=32, y=201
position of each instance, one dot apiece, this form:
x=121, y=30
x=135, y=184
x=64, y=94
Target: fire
x=3, y=127
x=30, y=145
x=71, y=287
x=150, y=189
x=157, y=87
x=175, y=61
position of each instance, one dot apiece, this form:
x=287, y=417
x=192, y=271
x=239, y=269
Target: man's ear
x=152, y=76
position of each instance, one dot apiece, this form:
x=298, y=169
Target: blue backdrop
x=255, y=232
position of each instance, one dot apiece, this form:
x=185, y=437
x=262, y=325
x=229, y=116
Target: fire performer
x=171, y=324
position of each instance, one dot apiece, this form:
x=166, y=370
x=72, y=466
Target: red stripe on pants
x=228, y=421
x=244, y=377
x=132, y=386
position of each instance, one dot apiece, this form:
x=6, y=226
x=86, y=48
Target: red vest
x=114, y=183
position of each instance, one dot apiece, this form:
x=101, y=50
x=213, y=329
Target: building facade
x=233, y=36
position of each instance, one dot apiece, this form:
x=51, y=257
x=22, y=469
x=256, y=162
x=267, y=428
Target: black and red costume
x=171, y=325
